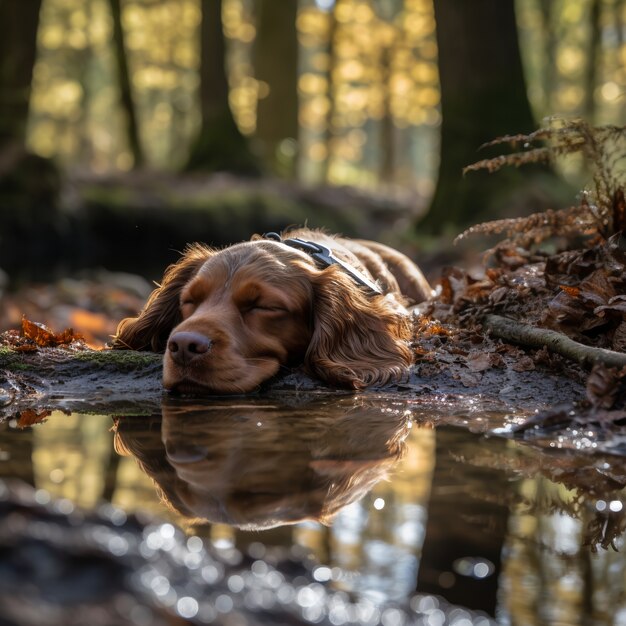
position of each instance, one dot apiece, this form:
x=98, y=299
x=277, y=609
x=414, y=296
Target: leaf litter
x=562, y=271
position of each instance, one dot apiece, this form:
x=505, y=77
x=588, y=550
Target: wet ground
x=405, y=509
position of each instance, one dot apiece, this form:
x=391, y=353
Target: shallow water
x=387, y=497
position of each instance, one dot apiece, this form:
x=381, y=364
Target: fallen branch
x=524, y=334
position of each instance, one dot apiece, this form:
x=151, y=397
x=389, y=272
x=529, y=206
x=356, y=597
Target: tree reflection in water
x=524, y=532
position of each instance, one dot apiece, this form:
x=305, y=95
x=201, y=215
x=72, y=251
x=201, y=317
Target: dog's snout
x=186, y=346
x=185, y=452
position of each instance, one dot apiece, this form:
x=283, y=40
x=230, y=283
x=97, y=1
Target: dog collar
x=324, y=257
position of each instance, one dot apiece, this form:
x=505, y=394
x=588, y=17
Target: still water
x=388, y=499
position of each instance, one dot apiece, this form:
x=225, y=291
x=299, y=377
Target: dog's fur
x=230, y=319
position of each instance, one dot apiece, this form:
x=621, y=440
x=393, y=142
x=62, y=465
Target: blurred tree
x=330, y=130
x=594, y=61
x=276, y=69
x=18, y=49
x=483, y=96
x=220, y=145
x=389, y=158
x=125, y=87
x=29, y=184
x=549, y=51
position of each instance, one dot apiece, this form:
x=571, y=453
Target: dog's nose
x=186, y=346
x=186, y=452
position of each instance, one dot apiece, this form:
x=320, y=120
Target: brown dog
x=230, y=319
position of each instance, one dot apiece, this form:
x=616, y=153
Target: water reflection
x=528, y=534
x=254, y=466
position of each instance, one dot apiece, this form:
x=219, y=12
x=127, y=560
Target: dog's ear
x=150, y=330
x=358, y=340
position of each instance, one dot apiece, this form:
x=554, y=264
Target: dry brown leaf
x=32, y=416
x=524, y=364
x=603, y=385
x=479, y=361
x=44, y=337
x=619, y=338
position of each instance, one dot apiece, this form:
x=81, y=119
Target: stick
x=527, y=335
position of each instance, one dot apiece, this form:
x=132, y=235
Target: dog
x=229, y=319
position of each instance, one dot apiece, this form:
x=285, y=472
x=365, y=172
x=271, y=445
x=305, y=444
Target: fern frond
x=516, y=159
x=601, y=211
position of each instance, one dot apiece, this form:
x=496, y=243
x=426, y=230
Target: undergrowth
x=601, y=210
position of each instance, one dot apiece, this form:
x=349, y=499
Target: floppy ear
x=358, y=340
x=150, y=330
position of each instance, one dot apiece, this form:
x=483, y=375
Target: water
x=388, y=498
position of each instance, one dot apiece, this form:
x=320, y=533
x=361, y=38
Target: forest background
x=131, y=127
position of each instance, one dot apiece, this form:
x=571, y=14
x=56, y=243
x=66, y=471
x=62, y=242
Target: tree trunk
x=124, y=82
x=18, y=49
x=331, y=129
x=483, y=96
x=220, y=145
x=29, y=184
x=387, y=143
x=594, y=61
x=549, y=50
x=276, y=66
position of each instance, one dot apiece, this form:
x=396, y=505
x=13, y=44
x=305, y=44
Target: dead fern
x=601, y=210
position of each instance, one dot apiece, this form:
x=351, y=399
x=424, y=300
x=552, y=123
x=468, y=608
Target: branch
x=524, y=334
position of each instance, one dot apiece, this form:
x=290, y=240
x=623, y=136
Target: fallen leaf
x=44, y=337
x=32, y=416
x=524, y=364
x=479, y=362
x=619, y=338
x=39, y=333
x=603, y=385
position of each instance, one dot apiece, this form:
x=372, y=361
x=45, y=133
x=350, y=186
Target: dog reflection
x=253, y=467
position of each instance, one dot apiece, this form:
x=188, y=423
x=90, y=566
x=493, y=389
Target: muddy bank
x=129, y=383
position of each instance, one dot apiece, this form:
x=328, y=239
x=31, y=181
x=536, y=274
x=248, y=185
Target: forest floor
x=467, y=343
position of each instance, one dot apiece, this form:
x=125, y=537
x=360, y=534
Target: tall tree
x=483, y=96
x=27, y=181
x=276, y=66
x=331, y=123
x=18, y=49
x=29, y=184
x=220, y=145
x=594, y=60
x=124, y=82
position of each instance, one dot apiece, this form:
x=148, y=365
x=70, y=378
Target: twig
x=524, y=334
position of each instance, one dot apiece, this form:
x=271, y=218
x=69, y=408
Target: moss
x=8, y=356
x=120, y=360
x=124, y=360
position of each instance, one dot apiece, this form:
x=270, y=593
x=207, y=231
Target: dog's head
x=230, y=319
